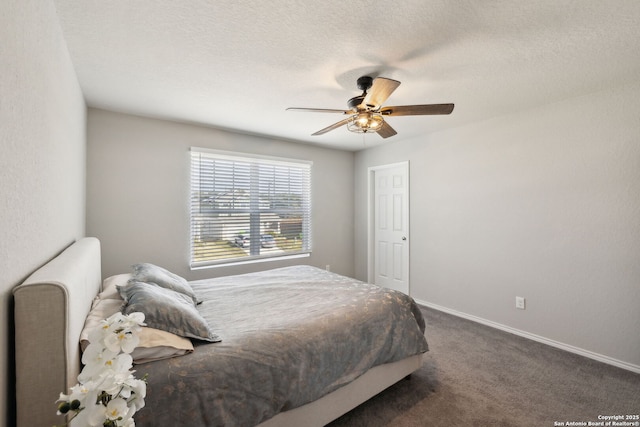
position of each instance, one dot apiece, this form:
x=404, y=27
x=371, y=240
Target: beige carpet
x=475, y=375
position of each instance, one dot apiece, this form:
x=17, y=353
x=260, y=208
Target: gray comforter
x=289, y=336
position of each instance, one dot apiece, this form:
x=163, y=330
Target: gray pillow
x=151, y=273
x=166, y=309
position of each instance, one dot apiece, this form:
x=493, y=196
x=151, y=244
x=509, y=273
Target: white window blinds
x=244, y=208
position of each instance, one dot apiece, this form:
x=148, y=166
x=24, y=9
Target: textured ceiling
x=239, y=64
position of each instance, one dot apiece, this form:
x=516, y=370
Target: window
x=248, y=208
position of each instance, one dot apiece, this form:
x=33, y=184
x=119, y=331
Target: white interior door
x=390, y=221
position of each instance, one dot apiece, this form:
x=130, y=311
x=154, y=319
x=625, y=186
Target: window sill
x=249, y=261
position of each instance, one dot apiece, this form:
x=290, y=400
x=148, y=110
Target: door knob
x=404, y=237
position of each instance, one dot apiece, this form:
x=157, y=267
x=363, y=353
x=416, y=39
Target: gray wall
x=543, y=204
x=138, y=193
x=42, y=165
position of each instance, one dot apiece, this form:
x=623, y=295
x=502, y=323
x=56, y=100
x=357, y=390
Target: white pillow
x=109, y=290
x=154, y=344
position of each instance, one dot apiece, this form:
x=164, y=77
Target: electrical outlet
x=520, y=303
x=327, y=267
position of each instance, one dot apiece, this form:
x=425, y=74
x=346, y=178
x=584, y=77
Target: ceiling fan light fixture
x=366, y=111
x=365, y=122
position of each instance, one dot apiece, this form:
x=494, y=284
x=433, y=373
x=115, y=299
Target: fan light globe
x=365, y=122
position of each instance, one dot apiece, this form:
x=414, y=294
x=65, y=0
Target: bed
x=287, y=325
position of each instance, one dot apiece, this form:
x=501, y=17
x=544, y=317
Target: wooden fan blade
x=380, y=90
x=319, y=110
x=332, y=127
x=386, y=131
x=417, y=110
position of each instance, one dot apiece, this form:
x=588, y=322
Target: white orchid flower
x=107, y=389
x=117, y=408
x=121, y=340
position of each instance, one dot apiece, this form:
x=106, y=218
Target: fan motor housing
x=355, y=101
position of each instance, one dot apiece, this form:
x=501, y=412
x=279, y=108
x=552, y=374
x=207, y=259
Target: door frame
x=371, y=207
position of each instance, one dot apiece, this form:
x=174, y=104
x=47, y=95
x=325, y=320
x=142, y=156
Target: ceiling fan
x=366, y=113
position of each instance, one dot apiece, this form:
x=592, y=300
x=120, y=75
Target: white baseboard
x=582, y=352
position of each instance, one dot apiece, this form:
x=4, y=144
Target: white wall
x=138, y=193
x=42, y=165
x=543, y=204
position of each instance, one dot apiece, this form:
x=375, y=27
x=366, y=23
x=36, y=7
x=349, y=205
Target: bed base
x=333, y=405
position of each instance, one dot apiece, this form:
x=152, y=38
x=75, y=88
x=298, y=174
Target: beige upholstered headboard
x=50, y=310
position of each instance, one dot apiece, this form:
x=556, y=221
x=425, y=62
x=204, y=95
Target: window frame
x=257, y=163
